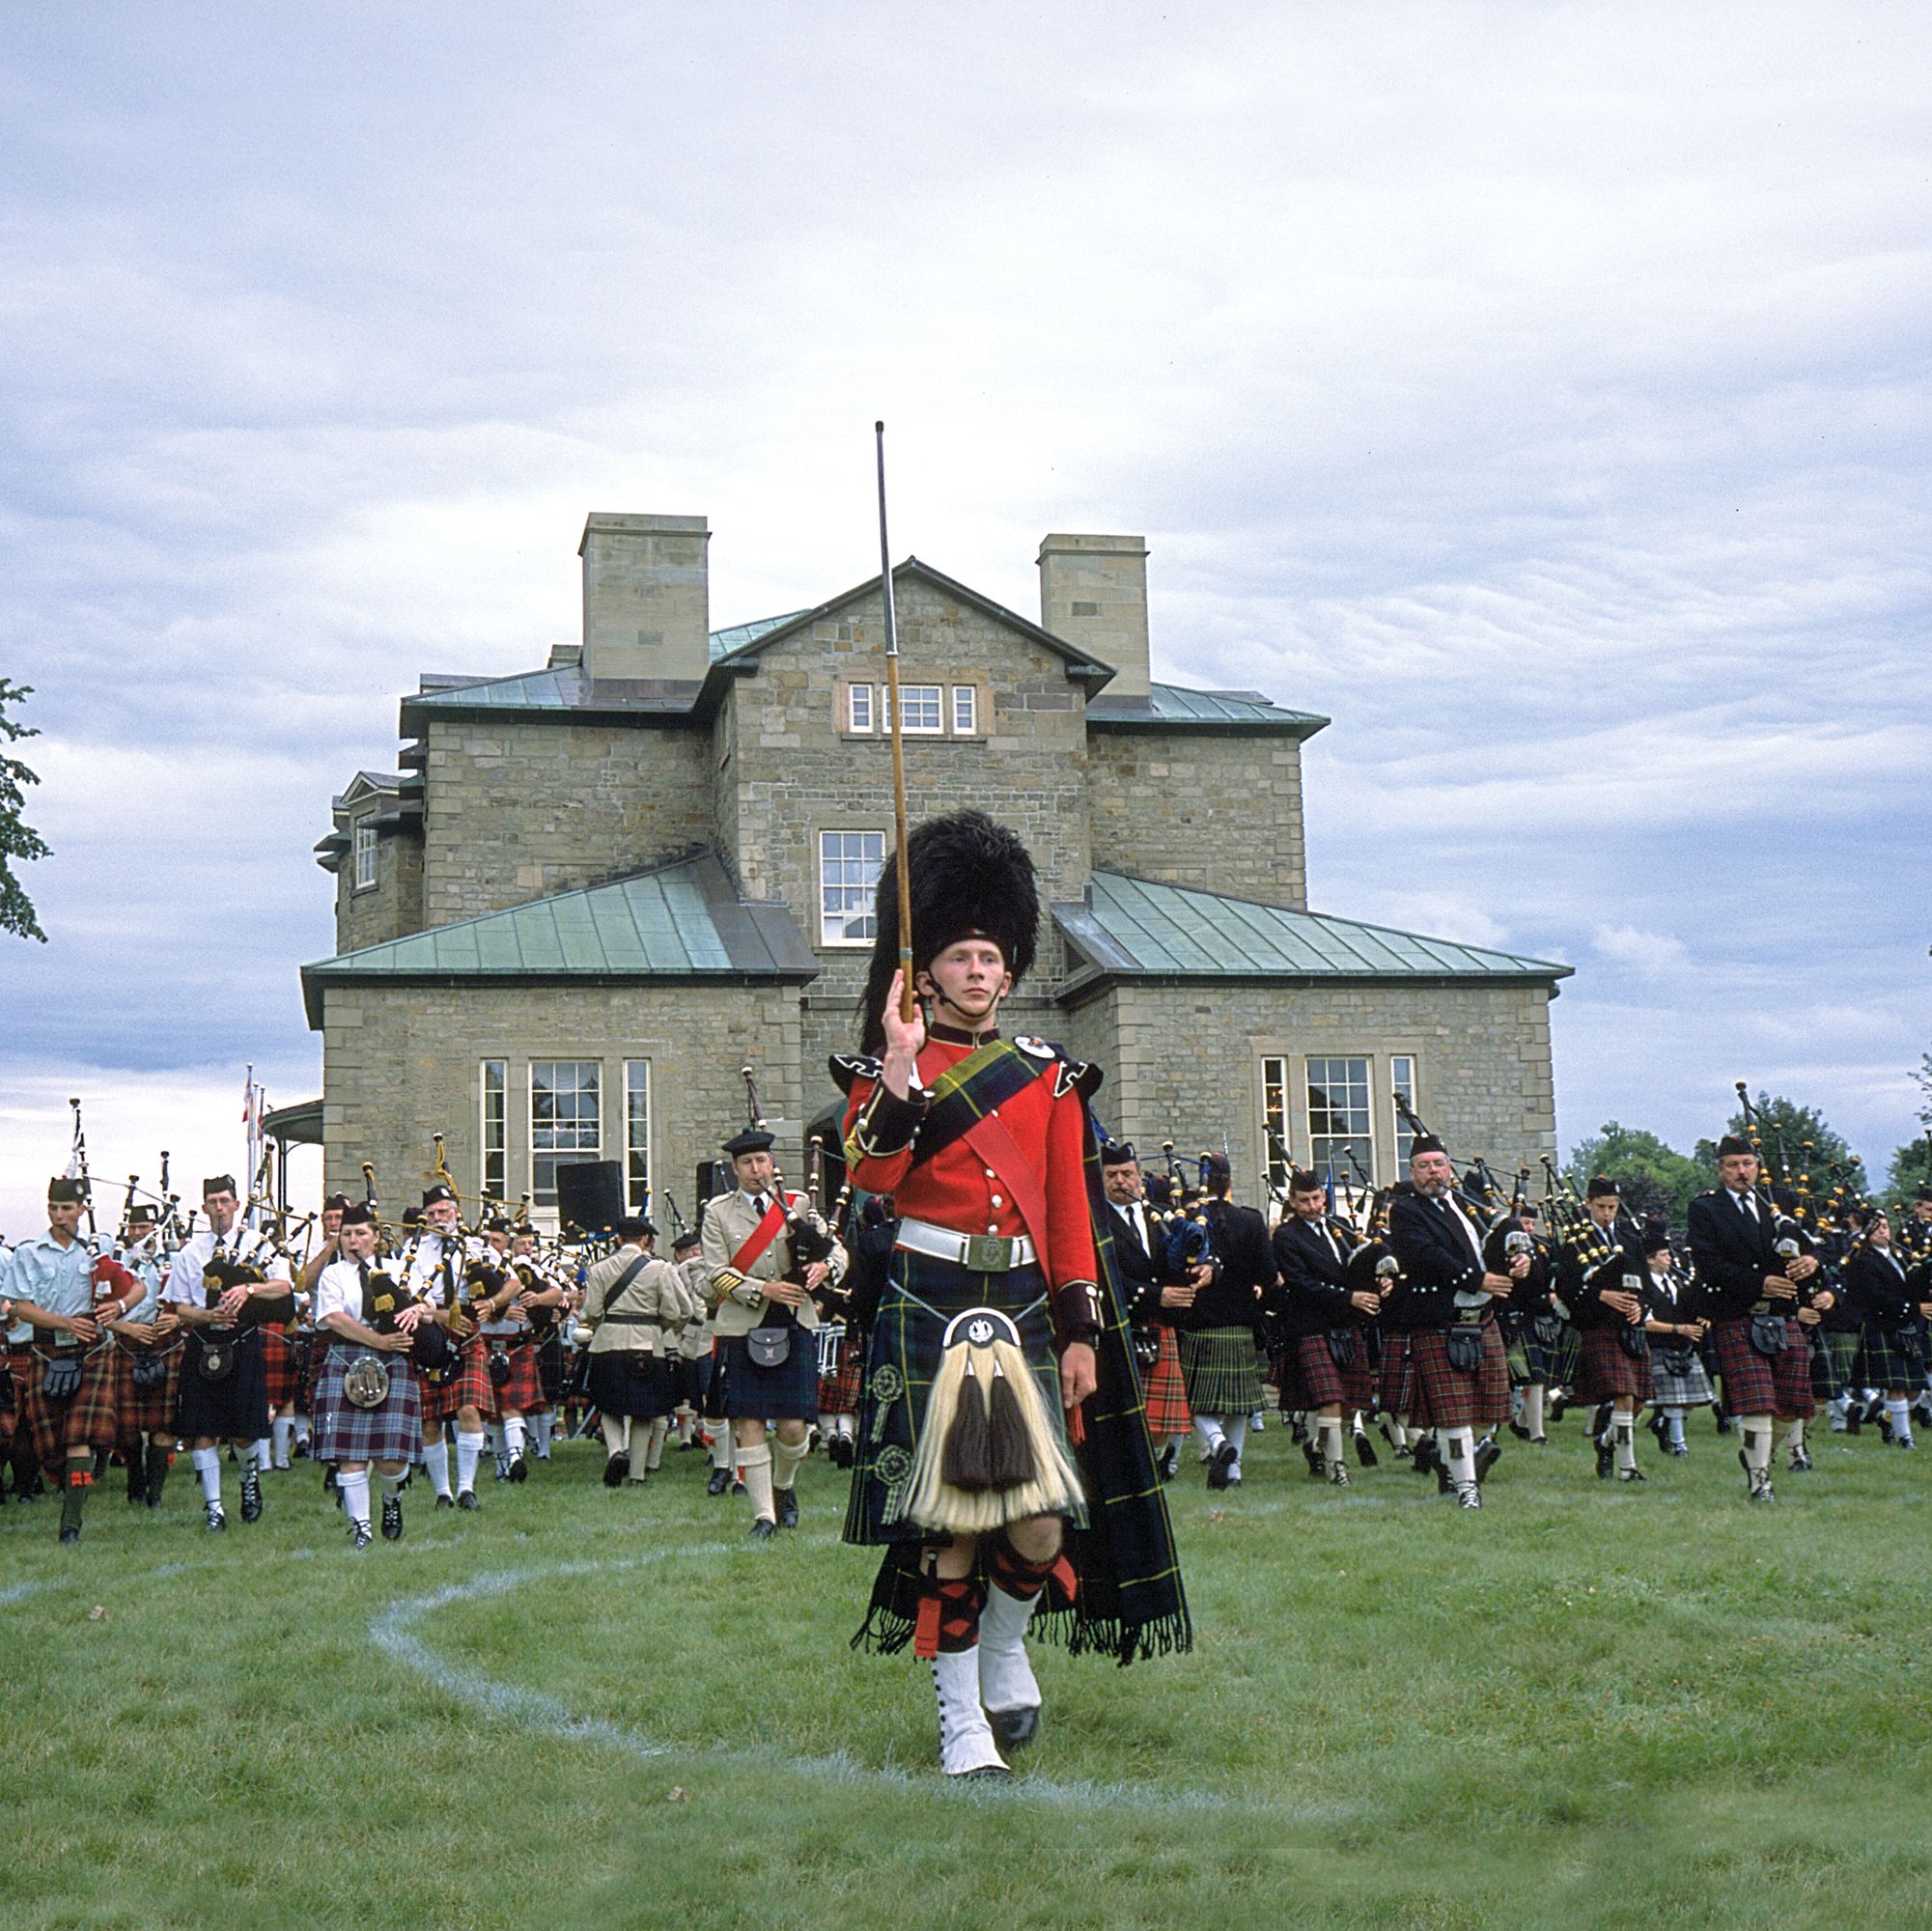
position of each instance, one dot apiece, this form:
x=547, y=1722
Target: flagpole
x=898, y=747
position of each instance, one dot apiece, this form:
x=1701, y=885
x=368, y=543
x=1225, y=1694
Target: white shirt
x=339, y=1290
x=428, y=1250
x=186, y=1286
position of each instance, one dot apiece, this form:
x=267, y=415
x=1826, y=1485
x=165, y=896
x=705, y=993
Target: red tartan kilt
x=278, y=1367
x=1780, y=1385
x=839, y=1391
x=1444, y=1397
x=1604, y=1370
x=1165, y=1388
x=147, y=1410
x=1394, y=1383
x=472, y=1386
x=87, y=1421
x=523, y=1392
x=1326, y=1386
x=21, y=1369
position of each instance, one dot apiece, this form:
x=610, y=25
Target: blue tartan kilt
x=788, y=1392
x=1835, y=1360
x=1552, y=1362
x=619, y=1387
x=1886, y=1365
x=344, y=1433
x=908, y=1340
x=233, y=1408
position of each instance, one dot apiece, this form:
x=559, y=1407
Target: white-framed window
x=1340, y=1132
x=858, y=707
x=1274, y=1120
x=925, y=709
x=365, y=857
x=965, y=710
x=1402, y=1081
x=565, y=1120
x=637, y=1134
x=850, y=863
x=493, y=1135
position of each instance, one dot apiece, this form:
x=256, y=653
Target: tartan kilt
x=1323, y=1384
x=1780, y=1386
x=471, y=1388
x=902, y=1361
x=278, y=1368
x=1604, y=1370
x=1691, y=1390
x=1218, y=1367
x=233, y=1410
x=1835, y=1360
x=1883, y=1365
x=1551, y=1363
x=788, y=1392
x=619, y=1388
x=525, y=1389
x=839, y=1391
x=1164, y=1388
x=1396, y=1377
x=342, y=1431
x=1444, y=1397
x=148, y=1411
x=87, y=1421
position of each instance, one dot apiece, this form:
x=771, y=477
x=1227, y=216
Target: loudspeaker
x=714, y=1177
x=590, y=1195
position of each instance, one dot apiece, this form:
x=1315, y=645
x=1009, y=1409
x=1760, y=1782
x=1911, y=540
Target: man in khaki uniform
x=764, y=1318
x=634, y=1306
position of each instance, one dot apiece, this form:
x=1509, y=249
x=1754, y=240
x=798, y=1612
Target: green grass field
x=1585, y=1706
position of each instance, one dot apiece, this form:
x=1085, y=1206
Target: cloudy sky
x=1541, y=391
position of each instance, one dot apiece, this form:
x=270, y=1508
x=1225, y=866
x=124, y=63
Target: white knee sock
x=1793, y=1435
x=392, y=1485
x=302, y=1430
x=282, y=1431
x=785, y=1459
x=1330, y=1431
x=355, y=1496
x=1235, y=1426
x=514, y=1434
x=1532, y=1409
x=1208, y=1433
x=754, y=1467
x=541, y=1427
x=720, y=1441
x=436, y=1460
x=207, y=1466
x=654, y=1454
x=1623, y=1428
x=1756, y=1430
x=265, y=1453
x=1459, y=1452
x=469, y=1453
x=616, y=1433
x=1398, y=1431
x=1900, y=1415
x=1676, y=1418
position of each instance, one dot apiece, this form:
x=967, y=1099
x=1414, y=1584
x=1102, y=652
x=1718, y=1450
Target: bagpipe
x=1188, y=1236
x=807, y=1242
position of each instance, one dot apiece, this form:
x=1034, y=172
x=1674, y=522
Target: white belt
x=983, y=1253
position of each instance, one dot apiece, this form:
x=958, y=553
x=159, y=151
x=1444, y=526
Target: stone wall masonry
x=402, y=1063
x=1218, y=813
x=517, y=810
x=390, y=908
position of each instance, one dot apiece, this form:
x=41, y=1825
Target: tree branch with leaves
x=18, y=840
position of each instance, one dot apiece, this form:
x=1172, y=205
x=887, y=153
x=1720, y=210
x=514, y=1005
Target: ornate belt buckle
x=987, y=1253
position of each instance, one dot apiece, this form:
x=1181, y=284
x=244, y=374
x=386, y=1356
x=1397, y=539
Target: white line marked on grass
x=394, y=1633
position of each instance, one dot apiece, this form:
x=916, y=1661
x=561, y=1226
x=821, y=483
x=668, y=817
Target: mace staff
x=898, y=747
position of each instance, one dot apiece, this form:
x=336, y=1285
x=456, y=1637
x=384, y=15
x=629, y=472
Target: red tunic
x=956, y=1188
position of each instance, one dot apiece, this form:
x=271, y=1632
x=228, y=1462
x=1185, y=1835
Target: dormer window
x=364, y=874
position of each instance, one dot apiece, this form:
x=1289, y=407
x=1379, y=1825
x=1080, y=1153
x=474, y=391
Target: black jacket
x=1438, y=1262
x=1242, y=1263
x=1585, y=1302
x=1733, y=1255
x=1877, y=1294
x=1314, y=1295
x=1140, y=1273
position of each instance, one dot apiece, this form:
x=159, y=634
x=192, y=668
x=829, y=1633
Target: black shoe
x=764, y=1529
x=1517, y=1429
x=1013, y=1729
x=838, y=1451
x=1168, y=1462
x=446, y=1501
x=1469, y=1497
x=467, y=1500
x=737, y=1488
x=1799, y=1459
x=1364, y=1449
x=392, y=1518
x=1444, y=1482
x=615, y=1470
x=1855, y=1419
x=251, y=1497
x=519, y=1471
x=720, y=1480
x=212, y=1517
x=1632, y=1475
x=1724, y=1422
x=1885, y=1429
x=788, y=1508
x=1299, y=1434
x=138, y=1479
x=1313, y=1457
x=1560, y=1404
x=1488, y=1455
x=70, y=1531
x=1220, y=1463
x=359, y=1535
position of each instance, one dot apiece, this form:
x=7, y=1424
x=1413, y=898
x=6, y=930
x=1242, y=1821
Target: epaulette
x=847, y=1066
x=1076, y=1075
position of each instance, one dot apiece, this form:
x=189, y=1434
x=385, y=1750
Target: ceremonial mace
x=898, y=747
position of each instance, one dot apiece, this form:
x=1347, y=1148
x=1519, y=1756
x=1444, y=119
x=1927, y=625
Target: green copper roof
x=1131, y=928
x=739, y=636
x=1174, y=705
x=682, y=923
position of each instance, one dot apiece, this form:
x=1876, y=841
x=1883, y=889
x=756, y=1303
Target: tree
x=1911, y=1169
x=18, y=840
x=1796, y=1140
x=1656, y=1180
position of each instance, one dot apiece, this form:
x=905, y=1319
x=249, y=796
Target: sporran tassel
x=1010, y=1457
x=966, y=1463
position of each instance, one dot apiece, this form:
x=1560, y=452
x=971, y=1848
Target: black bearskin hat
x=971, y=878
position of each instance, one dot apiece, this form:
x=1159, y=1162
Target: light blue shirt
x=57, y=1279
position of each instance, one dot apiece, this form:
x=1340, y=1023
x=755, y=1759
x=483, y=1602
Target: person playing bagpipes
x=1003, y=1460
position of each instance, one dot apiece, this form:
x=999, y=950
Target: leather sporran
x=59, y=1380
x=1464, y=1346
x=1146, y=1348
x=1342, y=1343
x=1635, y=1343
x=218, y=1359
x=147, y=1371
x=768, y=1347
x=499, y=1367
x=1769, y=1334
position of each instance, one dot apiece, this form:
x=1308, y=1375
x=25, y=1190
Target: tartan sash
x=967, y=1091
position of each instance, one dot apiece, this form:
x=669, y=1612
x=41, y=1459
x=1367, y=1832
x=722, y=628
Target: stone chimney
x=1093, y=592
x=646, y=596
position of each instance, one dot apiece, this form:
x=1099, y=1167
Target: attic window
x=365, y=857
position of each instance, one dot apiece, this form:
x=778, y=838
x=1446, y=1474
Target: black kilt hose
x=1605, y=1371
x=921, y=1296
x=390, y=1432
x=1444, y=1396
x=233, y=1408
x=788, y=1392
x=1755, y=1383
x=629, y=1382
x=1310, y=1364
x=1890, y=1359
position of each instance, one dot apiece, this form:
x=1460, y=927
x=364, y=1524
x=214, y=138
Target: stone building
x=593, y=891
